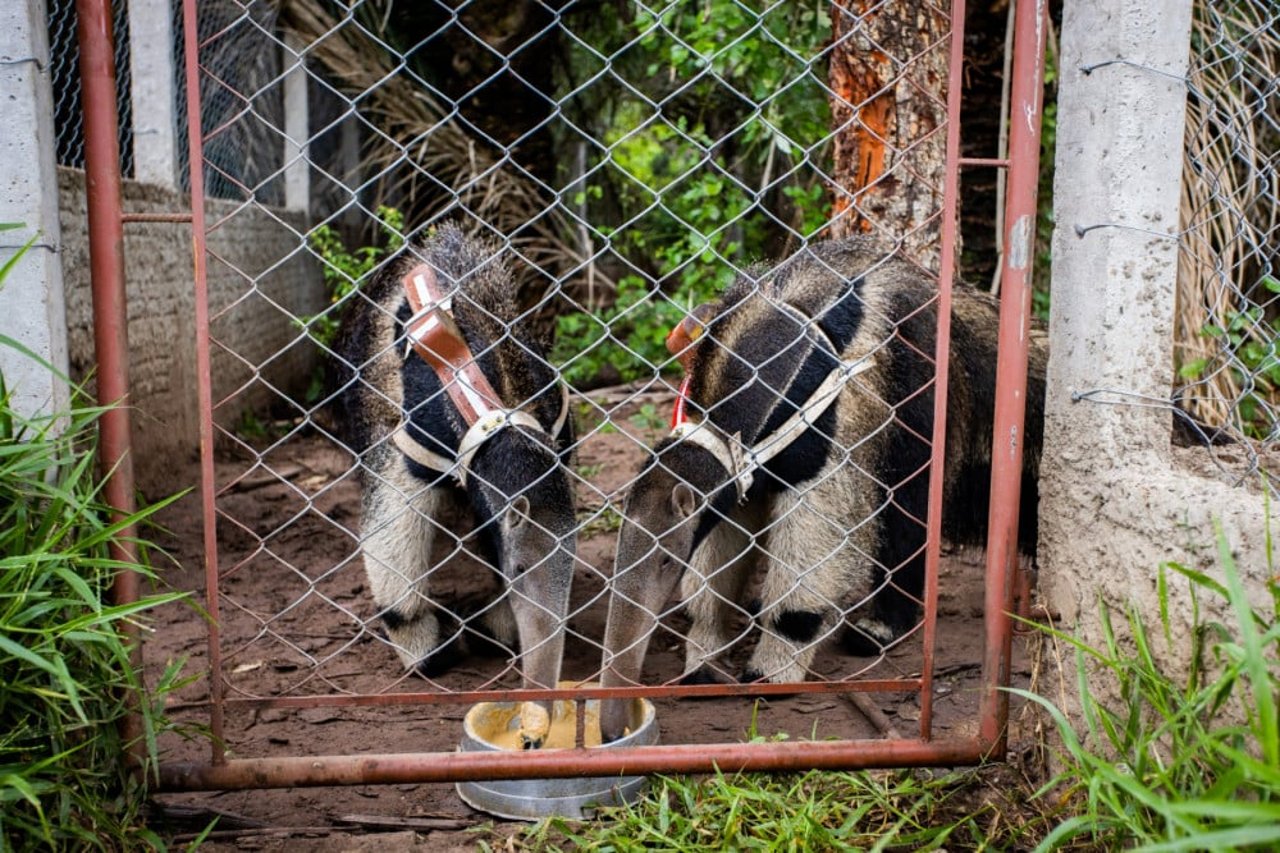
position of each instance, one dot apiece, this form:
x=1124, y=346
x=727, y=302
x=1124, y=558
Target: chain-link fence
x=64, y=74
x=626, y=377
x=1228, y=367
x=241, y=101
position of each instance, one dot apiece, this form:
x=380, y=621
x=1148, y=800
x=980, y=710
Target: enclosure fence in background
x=624, y=167
x=64, y=74
x=1226, y=356
x=241, y=102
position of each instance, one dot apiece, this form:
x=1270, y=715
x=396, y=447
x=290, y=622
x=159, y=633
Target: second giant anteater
x=514, y=484
x=838, y=515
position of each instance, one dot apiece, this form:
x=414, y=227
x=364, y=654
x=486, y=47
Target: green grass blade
x=1260, y=680
x=12, y=262
x=1235, y=838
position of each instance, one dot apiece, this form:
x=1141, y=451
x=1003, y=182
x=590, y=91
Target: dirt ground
x=293, y=609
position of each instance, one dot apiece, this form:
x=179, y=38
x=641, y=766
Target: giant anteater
x=838, y=516
x=515, y=485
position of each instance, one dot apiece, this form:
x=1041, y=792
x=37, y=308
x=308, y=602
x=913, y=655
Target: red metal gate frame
x=1002, y=564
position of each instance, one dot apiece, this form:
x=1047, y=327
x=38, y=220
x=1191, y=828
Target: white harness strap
x=706, y=436
x=489, y=424
x=742, y=462
x=434, y=335
x=418, y=453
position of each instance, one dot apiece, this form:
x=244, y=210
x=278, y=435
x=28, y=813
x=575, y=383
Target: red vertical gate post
x=204, y=374
x=942, y=359
x=1026, y=94
x=110, y=311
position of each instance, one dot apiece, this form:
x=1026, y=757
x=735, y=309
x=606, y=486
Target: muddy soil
x=295, y=619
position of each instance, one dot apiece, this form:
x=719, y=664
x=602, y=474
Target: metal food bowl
x=531, y=799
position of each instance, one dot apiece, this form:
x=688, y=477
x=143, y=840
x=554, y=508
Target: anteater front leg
x=400, y=517
x=712, y=590
x=816, y=550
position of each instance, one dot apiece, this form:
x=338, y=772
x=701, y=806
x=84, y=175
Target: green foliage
x=599, y=521
x=627, y=335
x=818, y=811
x=345, y=269
x=718, y=175
x=763, y=51
x=815, y=811
x=251, y=428
x=589, y=472
x=1165, y=767
x=1042, y=269
x=647, y=417
x=592, y=418
x=66, y=679
x=1251, y=351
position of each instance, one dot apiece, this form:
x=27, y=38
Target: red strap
x=678, y=413
x=435, y=337
x=680, y=344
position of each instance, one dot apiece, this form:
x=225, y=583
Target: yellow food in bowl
x=511, y=725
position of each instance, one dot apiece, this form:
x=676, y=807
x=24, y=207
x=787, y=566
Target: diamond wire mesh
x=64, y=75
x=241, y=101
x=1228, y=367
x=626, y=167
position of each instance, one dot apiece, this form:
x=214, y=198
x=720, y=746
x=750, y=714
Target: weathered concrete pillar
x=1116, y=500
x=32, y=309
x=297, y=171
x=1115, y=249
x=152, y=86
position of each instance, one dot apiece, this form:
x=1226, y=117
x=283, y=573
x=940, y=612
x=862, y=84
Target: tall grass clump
x=66, y=679
x=1176, y=761
x=974, y=809
x=814, y=811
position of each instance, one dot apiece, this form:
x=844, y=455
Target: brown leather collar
x=435, y=336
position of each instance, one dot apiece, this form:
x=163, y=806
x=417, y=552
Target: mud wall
x=260, y=279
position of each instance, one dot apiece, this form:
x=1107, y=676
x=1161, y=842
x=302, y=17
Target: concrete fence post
x=32, y=308
x=152, y=90
x=297, y=174
x=1115, y=248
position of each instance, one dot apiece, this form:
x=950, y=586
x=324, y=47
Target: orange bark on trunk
x=888, y=75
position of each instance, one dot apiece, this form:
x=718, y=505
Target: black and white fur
x=517, y=490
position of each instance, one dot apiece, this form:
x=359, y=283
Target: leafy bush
x=66, y=679
x=345, y=269
x=1165, y=767
x=715, y=178
x=1250, y=350
x=628, y=336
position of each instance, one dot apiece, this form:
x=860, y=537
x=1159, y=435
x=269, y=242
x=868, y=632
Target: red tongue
x=678, y=414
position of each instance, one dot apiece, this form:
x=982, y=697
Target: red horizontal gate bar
x=323, y=770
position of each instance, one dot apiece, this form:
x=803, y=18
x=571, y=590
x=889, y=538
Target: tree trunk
x=889, y=64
